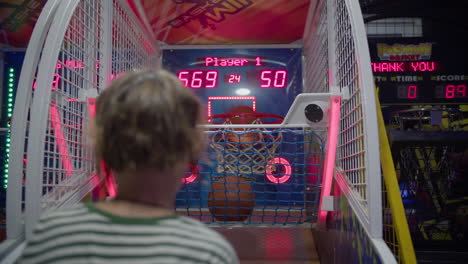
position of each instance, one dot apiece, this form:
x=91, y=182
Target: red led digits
x=199, y=79
x=450, y=91
x=183, y=77
x=211, y=78
x=234, y=78
x=277, y=78
x=280, y=79
x=455, y=91
x=258, y=60
x=412, y=91
x=461, y=89
x=196, y=79
x=265, y=79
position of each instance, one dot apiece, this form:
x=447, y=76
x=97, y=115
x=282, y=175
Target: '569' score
x=268, y=78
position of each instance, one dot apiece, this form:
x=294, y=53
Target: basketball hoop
x=241, y=152
x=247, y=118
x=245, y=151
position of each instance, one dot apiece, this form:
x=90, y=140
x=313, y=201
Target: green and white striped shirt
x=85, y=234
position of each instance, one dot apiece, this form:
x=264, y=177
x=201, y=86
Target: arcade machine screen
x=264, y=80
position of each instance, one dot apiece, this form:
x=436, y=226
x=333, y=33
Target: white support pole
x=105, y=65
x=20, y=119
x=371, y=137
x=39, y=117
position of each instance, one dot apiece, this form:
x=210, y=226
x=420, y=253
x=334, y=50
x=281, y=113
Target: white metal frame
x=39, y=117
x=367, y=207
x=59, y=25
x=20, y=117
x=55, y=18
x=374, y=185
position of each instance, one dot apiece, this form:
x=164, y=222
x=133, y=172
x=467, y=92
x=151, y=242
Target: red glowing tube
x=195, y=171
x=60, y=140
x=109, y=179
x=330, y=154
x=231, y=98
x=210, y=98
x=191, y=178
x=287, y=170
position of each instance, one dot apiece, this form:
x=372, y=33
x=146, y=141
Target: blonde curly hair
x=147, y=119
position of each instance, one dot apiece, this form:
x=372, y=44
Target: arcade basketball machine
x=292, y=153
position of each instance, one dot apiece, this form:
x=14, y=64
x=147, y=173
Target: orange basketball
x=242, y=119
x=242, y=138
x=231, y=199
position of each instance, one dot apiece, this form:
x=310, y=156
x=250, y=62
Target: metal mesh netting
x=433, y=188
x=244, y=152
x=68, y=160
x=80, y=73
x=316, y=54
x=130, y=48
x=255, y=176
x=430, y=150
x=351, y=147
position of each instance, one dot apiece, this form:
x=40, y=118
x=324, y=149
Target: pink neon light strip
x=193, y=176
x=231, y=98
x=210, y=108
x=60, y=140
x=108, y=179
x=107, y=173
x=330, y=154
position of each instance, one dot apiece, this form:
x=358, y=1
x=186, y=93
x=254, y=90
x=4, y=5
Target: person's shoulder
x=70, y=216
x=209, y=236
x=69, y=212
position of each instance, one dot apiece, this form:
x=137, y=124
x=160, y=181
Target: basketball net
x=244, y=151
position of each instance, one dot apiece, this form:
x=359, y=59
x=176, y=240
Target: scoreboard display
x=418, y=71
x=267, y=80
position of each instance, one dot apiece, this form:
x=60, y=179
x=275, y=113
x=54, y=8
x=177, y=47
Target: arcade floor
x=267, y=245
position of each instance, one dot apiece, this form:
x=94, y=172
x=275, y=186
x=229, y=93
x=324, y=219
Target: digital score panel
x=418, y=71
x=419, y=82
x=267, y=78
x=443, y=91
x=271, y=78
x=424, y=91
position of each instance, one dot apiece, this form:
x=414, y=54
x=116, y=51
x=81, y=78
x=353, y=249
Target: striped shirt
x=86, y=234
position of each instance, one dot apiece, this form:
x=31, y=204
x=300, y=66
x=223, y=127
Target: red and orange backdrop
x=185, y=22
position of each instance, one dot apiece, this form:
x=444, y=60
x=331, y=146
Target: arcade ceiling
x=185, y=22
